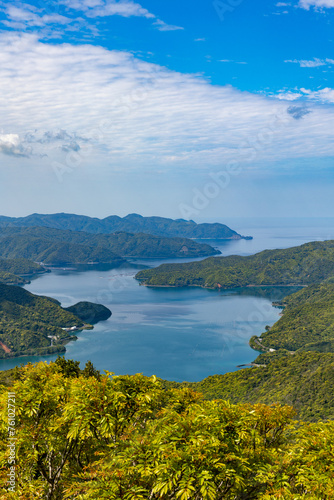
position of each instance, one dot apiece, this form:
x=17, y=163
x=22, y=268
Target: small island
x=89, y=312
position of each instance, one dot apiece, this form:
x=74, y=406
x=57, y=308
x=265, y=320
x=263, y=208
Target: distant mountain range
x=132, y=223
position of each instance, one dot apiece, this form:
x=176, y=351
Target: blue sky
x=187, y=109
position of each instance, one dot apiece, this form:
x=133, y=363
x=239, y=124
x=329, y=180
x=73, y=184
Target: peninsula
x=303, y=265
x=61, y=247
x=132, y=223
x=36, y=325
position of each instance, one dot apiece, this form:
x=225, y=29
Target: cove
x=176, y=334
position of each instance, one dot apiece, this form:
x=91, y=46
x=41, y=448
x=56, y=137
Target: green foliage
x=11, y=279
x=132, y=223
x=129, y=438
x=303, y=265
x=11, y=268
x=70, y=368
x=268, y=357
x=307, y=322
x=89, y=312
x=20, y=266
x=58, y=247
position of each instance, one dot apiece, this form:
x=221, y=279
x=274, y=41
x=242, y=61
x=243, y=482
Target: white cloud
x=120, y=112
x=11, y=145
x=230, y=61
x=288, y=95
x=317, y=4
x=26, y=17
x=162, y=26
x=313, y=63
x=22, y=15
x=111, y=8
x=324, y=96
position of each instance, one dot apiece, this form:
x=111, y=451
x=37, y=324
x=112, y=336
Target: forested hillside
x=55, y=246
x=304, y=380
x=31, y=324
x=307, y=323
x=132, y=223
x=302, y=265
x=82, y=435
x=11, y=270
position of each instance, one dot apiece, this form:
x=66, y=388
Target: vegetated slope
x=90, y=313
x=11, y=279
x=55, y=246
x=304, y=380
x=127, y=437
x=132, y=223
x=27, y=321
x=10, y=269
x=307, y=322
x=20, y=266
x=302, y=265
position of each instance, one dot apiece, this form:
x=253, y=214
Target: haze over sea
x=177, y=334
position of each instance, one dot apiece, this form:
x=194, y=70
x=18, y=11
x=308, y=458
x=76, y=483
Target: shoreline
x=142, y=283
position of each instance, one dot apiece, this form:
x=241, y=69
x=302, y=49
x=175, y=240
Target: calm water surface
x=177, y=334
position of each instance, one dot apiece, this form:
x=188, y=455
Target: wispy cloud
x=125, y=8
x=119, y=112
x=325, y=95
x=317, y=4
x=26, y=16
x=162, y=26
x=313, y=63
x=21, y=16
x=231, y=61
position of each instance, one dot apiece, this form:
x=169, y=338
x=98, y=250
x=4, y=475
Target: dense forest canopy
x=13, y=270
x=55, y=246
x=302, y=265
x=82, y=435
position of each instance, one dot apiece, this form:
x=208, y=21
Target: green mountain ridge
x=56, y=246
x=132, y=223
x=302, y=265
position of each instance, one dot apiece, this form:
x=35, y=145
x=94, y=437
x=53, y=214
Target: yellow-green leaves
x=126, y=438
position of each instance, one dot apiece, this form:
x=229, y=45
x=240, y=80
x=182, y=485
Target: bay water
x=177, y=334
